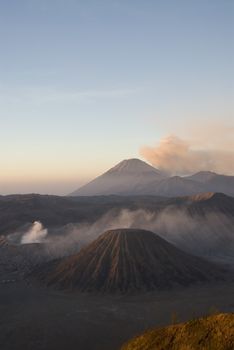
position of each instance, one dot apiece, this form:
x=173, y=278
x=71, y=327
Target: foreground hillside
x=208, y=333
x=34, y=318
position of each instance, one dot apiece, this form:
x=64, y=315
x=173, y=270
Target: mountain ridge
x=127, y=177
x=135, y=177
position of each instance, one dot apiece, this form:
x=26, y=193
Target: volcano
x=131, y=176
x=127, y=260
x=135, y=177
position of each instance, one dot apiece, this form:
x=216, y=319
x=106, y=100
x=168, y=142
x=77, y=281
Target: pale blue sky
x=84, y=84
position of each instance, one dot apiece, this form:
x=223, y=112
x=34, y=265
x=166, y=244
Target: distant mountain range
x=135, y=177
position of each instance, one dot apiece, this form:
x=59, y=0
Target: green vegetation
x=214, y=332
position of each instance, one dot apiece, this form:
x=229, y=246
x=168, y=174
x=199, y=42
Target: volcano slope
x=215, y=332
x=127, y=260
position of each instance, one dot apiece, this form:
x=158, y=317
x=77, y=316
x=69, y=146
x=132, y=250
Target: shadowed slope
x=208, y=333
x=126, y=260
x=214, y=182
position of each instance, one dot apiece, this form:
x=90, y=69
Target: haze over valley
x=117, y=175
x=119, y=237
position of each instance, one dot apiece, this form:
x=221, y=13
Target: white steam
x=200, y=235
x=208, y=235
x=36, y=234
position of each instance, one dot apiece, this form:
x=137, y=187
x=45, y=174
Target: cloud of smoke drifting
x=208, y=235
x=176, y=156
x=36, y=234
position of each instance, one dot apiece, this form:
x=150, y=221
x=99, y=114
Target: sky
x=85, y=84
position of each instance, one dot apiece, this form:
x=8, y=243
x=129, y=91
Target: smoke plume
x=36, y=234
x=176, y=156
x=201, y=235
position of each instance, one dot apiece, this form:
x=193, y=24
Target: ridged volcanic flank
x=127, y=260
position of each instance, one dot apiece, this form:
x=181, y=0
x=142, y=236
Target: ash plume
x=176, y=156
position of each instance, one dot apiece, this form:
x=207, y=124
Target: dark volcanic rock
x=127, y=260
